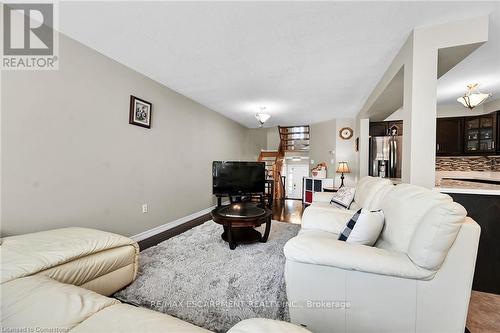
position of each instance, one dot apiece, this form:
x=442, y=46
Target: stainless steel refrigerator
x=385, y=156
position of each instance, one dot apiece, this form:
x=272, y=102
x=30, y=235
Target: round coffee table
x=239, y=220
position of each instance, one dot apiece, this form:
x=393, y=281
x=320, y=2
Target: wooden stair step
x=268, y=153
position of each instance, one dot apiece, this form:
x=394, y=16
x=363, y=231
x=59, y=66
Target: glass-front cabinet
x=480, y=134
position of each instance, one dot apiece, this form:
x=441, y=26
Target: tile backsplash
x=468, y=163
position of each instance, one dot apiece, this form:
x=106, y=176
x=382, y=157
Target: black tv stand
x=233, y=198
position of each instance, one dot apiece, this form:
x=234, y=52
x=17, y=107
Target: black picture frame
x=140, y=117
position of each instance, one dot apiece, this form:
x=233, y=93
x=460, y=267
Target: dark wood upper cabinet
x=476, y=135
x=456, y=136
x=498, y=132
x=449, y=136
x=383, y=128
x=395, y=128
x=378, y=128
x=480, y=134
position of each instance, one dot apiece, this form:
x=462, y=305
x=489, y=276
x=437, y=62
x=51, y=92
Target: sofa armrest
x=329, y=219
x=310, y=249
x=29, y=254
x=322, y=197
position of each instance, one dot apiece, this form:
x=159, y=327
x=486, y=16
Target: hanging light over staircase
x=262, y=117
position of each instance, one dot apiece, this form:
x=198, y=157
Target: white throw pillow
x=343, y=197
x=364, y=227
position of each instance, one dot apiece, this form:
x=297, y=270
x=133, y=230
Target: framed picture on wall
x=140, y=112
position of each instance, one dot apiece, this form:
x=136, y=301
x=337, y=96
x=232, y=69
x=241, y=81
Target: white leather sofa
x=369, y=191
x=319, y=215
x=55, y=281
x=417, y=277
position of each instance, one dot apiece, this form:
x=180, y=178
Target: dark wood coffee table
x=239, y=220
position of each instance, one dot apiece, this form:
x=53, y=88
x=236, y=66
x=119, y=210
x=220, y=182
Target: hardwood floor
x=484, y=313
x=156, y=239
x=288, y=211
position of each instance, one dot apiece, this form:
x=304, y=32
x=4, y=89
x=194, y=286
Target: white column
x=419, y=101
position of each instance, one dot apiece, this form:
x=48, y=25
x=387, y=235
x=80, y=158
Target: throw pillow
x=343, y=197
x=364, y=227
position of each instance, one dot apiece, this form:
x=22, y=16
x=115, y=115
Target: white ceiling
x=305, y=62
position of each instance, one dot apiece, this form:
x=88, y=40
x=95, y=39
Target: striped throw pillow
x=364, y=227
x=349, y=226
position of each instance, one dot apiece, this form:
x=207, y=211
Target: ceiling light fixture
x=262, y=117
x=472, y=97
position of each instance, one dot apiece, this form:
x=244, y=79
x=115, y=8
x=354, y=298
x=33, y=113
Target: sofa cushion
x=82, y=270
x=327, y=218
x=405, y=207
x=43, y=303
x=322, y=197
x=124, y=318
x=343, y=197
x=323, y=248
x=367, y=189
x=363, y=228
x=354, y=207
x=32, y=253
x=435, y=235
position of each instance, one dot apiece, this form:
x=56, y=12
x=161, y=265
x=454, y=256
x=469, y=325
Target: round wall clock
x=346, y=133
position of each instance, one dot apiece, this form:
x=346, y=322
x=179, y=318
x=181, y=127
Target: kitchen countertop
x=460, y=186
x=459, y=183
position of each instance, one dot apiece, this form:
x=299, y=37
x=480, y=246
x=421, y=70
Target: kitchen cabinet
x=484, y=209
x=384, y=128
x=378, y=128
x=395, y=127
x=498, y=132
x=462, y=136
x=480, y=134
x=449, y=136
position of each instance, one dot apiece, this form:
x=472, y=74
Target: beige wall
x=346, y=152
x=257, y=140
x=70, y=158
x=273, y=138
x=322, y=143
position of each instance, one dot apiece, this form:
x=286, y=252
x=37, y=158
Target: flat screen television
x=232, y=178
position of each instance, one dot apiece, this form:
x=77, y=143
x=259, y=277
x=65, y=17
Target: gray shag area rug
x=196, y=277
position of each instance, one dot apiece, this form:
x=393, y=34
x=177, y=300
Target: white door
x=294, y=175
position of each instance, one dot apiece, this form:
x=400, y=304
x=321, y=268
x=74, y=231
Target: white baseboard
x=172, y=224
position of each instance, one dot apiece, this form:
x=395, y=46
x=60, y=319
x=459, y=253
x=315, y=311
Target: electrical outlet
x=145, y=208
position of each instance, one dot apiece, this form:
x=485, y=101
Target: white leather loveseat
x=369, y=194
x=417, y=277
x=56, y=281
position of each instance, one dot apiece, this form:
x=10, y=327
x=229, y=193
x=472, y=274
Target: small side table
x=330, y=189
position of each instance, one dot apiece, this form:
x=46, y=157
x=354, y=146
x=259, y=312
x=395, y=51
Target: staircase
x=292, y=139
